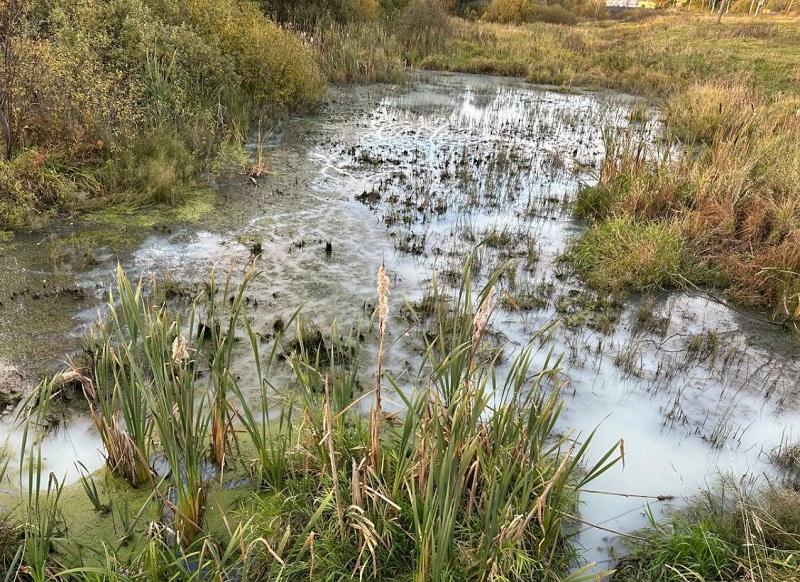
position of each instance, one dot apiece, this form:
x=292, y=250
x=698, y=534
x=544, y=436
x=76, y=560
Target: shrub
x=521, y=11
x=508, y=11
x=554, y=14
x=94, y=81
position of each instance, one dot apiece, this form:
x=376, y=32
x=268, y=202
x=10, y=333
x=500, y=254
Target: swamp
x=410, y=290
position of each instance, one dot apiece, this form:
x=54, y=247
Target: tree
x=12, y=13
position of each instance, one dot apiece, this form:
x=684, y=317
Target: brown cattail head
x=180, y=351
x=383, y=298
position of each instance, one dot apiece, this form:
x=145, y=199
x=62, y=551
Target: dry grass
x=733, y=199
x=655, y=56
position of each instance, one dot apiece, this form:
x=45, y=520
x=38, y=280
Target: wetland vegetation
x=399, y=289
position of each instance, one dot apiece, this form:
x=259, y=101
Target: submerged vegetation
x=473, y=482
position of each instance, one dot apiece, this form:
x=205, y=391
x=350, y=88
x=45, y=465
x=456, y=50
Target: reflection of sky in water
x=427, y=134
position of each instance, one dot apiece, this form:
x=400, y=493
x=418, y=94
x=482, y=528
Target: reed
x=40, y=497
x=472, y=481
x=218, y=342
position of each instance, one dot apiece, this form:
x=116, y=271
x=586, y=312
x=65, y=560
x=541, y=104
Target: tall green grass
x=469, y=480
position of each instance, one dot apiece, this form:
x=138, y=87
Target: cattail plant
x=40, y=501
x=218, y=342
x=382, y=312
x=117, y=395
x=270, y=438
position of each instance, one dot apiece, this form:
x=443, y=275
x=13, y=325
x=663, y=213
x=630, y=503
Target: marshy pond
x=417, y=177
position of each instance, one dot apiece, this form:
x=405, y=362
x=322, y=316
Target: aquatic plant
x=218, y=343
x=40, y=497
x=471, y=480
x=117, y=395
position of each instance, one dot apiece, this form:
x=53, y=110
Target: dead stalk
x=327, y=427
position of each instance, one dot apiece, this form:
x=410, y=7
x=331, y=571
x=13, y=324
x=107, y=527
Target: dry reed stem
x=326, y=421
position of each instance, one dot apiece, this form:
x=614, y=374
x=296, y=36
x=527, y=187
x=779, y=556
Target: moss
x=130, y=218
x=88, y=530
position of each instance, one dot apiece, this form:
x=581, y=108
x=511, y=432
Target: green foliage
x=600, y=201
x=622, y=254
x=155, y=168
x=726, y=534
x=132, y=99
x=473, y=481
x=682, y=552
x=381, y=52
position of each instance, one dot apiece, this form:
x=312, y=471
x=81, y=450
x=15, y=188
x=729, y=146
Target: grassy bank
x=454, y=487
x=732, y=532
x=656, y=56
x=725, y=212
x=135, y=100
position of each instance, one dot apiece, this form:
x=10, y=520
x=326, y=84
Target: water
x=414, y=178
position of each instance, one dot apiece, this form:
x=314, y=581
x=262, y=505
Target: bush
x=94, y=81
x=555, y=14
x=521, y=11
x=508, y=11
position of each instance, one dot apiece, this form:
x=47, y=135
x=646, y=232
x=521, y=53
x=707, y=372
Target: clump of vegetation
x=702, y=110
x=519, y=11
x=726, y=534
x=786, y=456
x=732, y=206
x=311, y=13
x=621, y=254
x=133, y=99
x=360, y=53
x=457, y=487
x=370, y=50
